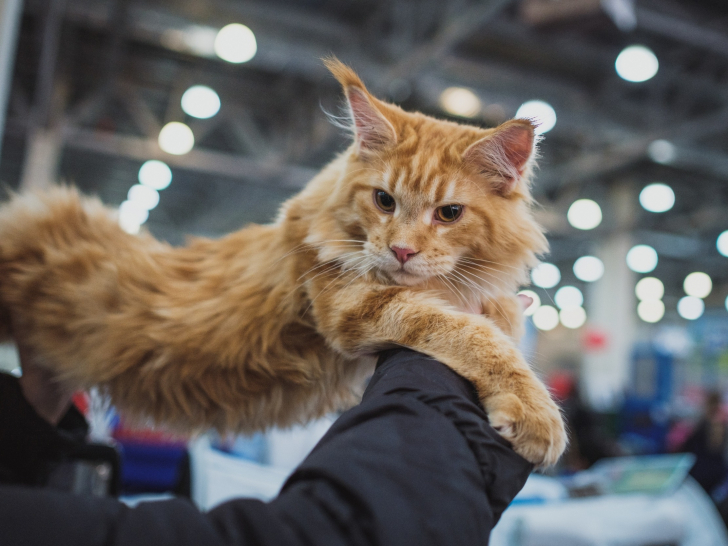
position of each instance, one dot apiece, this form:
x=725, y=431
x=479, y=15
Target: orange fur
x=276, y=324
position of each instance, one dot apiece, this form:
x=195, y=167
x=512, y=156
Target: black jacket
x=415, y=463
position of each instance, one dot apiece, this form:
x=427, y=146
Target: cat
x=417, y=222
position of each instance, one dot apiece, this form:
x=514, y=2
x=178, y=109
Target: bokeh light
x=545, y=275
x=588, y=268
x=642, y=259
x=651, y=310
x=650, y=288
x=690, y=307
x=546, y=318
x=572, y=317
x=176, y=138
x=235, y=43
x=144, y=196
x=657, y=197
x=722, y=243
x=542, y=113
x=200, y=101
x=460, y=101
x=584, y=214
x=636, y=63
x=698, y=284
x=568, y=296
x=155, y=174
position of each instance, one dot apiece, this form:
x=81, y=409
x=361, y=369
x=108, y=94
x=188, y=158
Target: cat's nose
x=403, y=254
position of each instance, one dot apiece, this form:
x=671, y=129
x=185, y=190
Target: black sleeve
x=414, y=463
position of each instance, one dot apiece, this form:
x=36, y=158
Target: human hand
x=48, y=396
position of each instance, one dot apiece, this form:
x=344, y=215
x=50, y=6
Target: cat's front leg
x=361, y=319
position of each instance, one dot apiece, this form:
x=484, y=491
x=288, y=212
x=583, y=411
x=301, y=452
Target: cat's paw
x=532, y=424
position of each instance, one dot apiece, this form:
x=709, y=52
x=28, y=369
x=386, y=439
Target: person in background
x=708, y=442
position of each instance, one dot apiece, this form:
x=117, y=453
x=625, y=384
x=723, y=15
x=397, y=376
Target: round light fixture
x=661, y=151
x=546, y=318
x=132, y=216
x=176, y=138
x=568, y=296
x=155, y=174
x=200, y=101
x=642, y=259
x=572, y=317
x=584, y=214
x=651, y=310
x=588, y=268
x=650, y=289
x=657, y=197
x=690, y=307
x=545, y=275
x=722, y=243
x=636, y=63
x=531, y=309
x=460, y=101
x=144, y=196
x=235, y=43
x=540, y=112
x=698, y=284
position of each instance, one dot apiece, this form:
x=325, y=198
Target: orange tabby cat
x=418, y=220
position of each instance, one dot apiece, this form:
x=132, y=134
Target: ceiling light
x=651, y=310
x=698, y=284
x=726, y=303
x=155, y=174
x=546, y=318
x=661, y=151
x=235, y=43
x=572, y=317
x=690, y=307
x=722, y=243
x=636, y=63
x=540, y=112
x=584, y=214
x=642, y=259
x=459, y=101
x=144, y=196
x=568, y=296
x=657, y=197
x=650, y=289
x=132, y=216
x=199, y=101
x=588, y=268
x=176, y=138
x=531, y=309
x=545, y=275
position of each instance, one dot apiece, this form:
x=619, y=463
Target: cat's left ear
x=506, y=155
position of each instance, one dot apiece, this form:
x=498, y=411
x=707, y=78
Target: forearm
x=415, y=463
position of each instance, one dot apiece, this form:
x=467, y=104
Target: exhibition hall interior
x=196, y=119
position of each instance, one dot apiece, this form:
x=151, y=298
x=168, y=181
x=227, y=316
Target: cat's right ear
x=372, y=130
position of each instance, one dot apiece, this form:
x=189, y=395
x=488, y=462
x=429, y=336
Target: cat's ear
x=506, y=155
x=373, y=131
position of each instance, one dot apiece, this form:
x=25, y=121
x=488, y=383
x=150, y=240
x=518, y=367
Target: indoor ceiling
x=105, y=75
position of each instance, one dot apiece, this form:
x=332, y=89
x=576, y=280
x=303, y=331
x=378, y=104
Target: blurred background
x=197, y=118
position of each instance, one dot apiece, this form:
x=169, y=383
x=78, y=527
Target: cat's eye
x=449, y=213
x=384, y=201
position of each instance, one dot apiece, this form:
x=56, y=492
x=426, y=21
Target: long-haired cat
x=416, y=222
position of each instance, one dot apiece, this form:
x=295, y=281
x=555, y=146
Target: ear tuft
x=372, y=129
x=508, y=153
x=343, y=73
